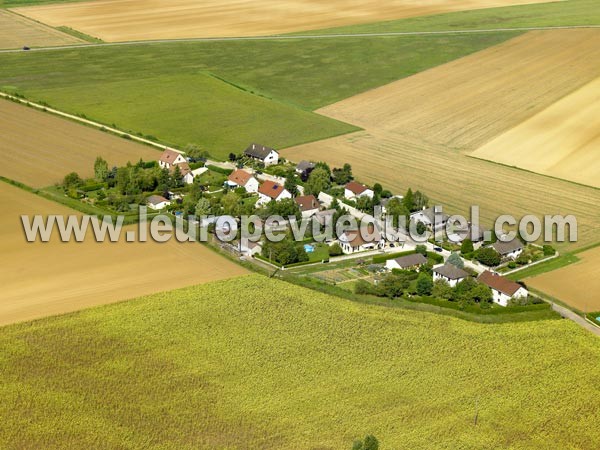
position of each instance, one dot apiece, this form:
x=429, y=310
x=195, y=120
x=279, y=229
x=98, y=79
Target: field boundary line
x=99, y=126
x=306, y=36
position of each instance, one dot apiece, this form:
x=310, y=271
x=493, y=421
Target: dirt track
x=39, y=149
x=562, y=141
x=17, y=31
x=42, y=279
x=123, y=20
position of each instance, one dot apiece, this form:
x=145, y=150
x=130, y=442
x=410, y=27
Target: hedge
x=378, y=259
x=220, y=170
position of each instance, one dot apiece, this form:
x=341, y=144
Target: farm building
x=502, y=288
x=241, y=178
x=511, y=249
x=266, y=155
x=354, y=190
x=407, y=262
x=269, y=191
x=308, y=205
x=157, y=202
x=170, y=158
x=449, y=273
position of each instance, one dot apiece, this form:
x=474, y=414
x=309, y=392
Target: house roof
x=430, y=214
x=504, y=248
x=307, y=202
x=355, y=237
x=271, y=189
x=305, y=165
x=240, y=177
x=184, y=168
x=356, y=188
x=415, y=259
x=258, y=151
x=499, y=283
x=451, y=272
x=169, y=156
x=156, y=199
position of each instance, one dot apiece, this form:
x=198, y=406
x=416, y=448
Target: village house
x=266, y=155
x=250, y=248
x=450, y=274
x=241, y=178
x=308, y=205
x=353, y=190
x=304, y=168
x=511, y=249
x=383, y=203
x=356, y=241
x=157, y=202
x=408, y=262
x=502, y=288
x=428, y=216
x=170, y=158
x=269, y=191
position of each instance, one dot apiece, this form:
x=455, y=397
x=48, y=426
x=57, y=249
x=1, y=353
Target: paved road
x=568, y=314
x=299, y=37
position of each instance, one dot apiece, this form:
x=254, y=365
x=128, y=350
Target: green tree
x=488, y=256
x=291, y=183
x=343, y=175
x=441, y=289
x=370, y=442
x=481, y=294
x=335, y=250
x=318, y=181
x=100, y=169
x=549, y=250
x=424, y=284
x=456, y=260
x=396, y=209
x=466, y=247
x=203, y=207
x=194, y=151
x=231, y=204
x=422, y=249
x=420, y=201
x=72, y=180
x=409, y=200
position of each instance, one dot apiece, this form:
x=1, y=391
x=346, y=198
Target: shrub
x=512, y=265
x=456, y=260
x=467, y=247
x=488, y=256
x=549, y=250
x=335, y=250
x=424, y=284
x=421, y=249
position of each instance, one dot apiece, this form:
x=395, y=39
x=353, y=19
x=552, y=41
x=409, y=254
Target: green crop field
x=551, y=14
x=265, y=90
x=259, y=363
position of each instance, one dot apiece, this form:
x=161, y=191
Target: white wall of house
x=452, y=283
x=271, y=159
x=158, y=206
x=264, y=199
x=502, y=299
x=252, y=185
x=178, y=160
x=515, y=254
x=188, y=178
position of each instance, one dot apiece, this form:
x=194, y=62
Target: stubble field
x=17, y=31
x=39, y=149
x=42, y=279
x=577, y=284
x=416, y=128
x=125, y=20
x=562, y=141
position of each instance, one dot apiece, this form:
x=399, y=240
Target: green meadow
x=258, y=363
x=551, y=14
x=224, y=95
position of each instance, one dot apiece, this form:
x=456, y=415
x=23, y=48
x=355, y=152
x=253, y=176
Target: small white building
x=157, y=202
x=269, y=191
x=511, y=249
x=449, y=273
x=502, y=288
x=266, y=155
x=407, y=262
x=354, y=190
x=170, y=158
x=241, y=178
x=368, y=238
x=308, y=205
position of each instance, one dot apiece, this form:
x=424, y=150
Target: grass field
x=162, y=90
x=126, y=20
x=39, y=149
x=41, y=279
x=17, y=31
x=547, y=14
x=415, y=128
x=577, y=285
x=562, y=141
x=233, y=365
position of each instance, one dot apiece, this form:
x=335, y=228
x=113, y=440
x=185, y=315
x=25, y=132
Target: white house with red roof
x=354, y=190
x=502, y=288
x=241, y=178
x=170, y=158
x=308, y=204
x=269, y=191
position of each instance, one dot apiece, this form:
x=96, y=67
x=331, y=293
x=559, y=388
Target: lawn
x=224, y=95
x=258, y=363
x=551, y=14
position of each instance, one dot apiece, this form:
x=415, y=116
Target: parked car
x=438, y=249
x=25, y=48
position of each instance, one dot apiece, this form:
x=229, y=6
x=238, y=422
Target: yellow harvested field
x=413, y=127
x=124, y=20
x=39, y=149
x=467, y=102
x=577, y=285
x=17, y=31
x=562, y=141
x=41, y=279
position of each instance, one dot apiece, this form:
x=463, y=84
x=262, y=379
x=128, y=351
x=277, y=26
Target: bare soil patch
x=17, y=31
